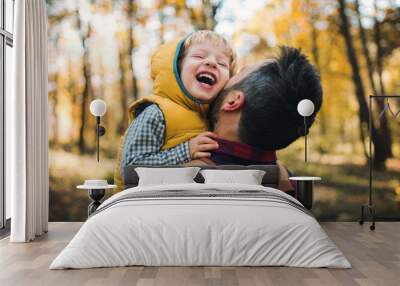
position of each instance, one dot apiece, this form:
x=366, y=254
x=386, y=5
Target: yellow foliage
x=311, y=25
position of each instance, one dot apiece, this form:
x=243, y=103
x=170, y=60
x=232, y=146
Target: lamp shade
x=98, y=107
x=305, y=107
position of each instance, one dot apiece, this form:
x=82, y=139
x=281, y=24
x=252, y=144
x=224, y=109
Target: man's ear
x=234, y=101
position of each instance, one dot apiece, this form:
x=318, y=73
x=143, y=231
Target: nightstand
x=304, y=189
x=96, y=191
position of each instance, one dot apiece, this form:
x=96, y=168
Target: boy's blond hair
x=216, y=39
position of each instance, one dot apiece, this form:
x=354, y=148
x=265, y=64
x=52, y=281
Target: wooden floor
x=374, y=255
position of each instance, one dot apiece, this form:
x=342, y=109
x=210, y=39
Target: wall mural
x=175, y=96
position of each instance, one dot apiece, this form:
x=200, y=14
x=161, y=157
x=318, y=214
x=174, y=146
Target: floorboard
x=374, y=255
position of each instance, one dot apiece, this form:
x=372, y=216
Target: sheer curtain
x=26, y=124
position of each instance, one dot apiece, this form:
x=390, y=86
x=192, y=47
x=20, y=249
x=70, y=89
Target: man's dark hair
x=269, y=118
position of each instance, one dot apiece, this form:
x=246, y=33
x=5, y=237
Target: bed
x=201, y=224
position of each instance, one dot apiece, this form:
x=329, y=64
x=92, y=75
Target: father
x=257, y=110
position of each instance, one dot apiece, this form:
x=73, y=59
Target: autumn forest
x=102, y=49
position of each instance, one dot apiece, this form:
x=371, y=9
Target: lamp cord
x=98, y=136
x=305, y=140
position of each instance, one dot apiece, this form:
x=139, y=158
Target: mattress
x=201, y=225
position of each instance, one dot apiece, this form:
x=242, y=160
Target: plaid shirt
x=144, y=139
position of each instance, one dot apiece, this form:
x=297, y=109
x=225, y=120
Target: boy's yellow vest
x=184, y=117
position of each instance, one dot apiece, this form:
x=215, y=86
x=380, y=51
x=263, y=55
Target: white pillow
x=166, y=176
x=248, y=177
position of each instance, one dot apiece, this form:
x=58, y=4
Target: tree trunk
x=88, y=89
x=123, y=92
x=131, y=18
x=384, y=125
x=379, y=53
x=383, y=121
x=106, y=120
x=379, y=154
x=53, y=96
x=73, y=95
x=365, y=49
x=316, y=59
x=363, y=139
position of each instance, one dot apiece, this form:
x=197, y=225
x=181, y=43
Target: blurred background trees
x=102, y=49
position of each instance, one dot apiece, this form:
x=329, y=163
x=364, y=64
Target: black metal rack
x=370, y=205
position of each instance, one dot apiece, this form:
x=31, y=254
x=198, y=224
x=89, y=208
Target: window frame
x=6, y=39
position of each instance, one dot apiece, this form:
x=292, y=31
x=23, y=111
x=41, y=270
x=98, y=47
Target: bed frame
x=270, y=179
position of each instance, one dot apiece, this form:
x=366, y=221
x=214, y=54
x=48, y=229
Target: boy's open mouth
x=207, y=78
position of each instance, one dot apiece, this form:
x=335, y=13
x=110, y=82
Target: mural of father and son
x=203, y=113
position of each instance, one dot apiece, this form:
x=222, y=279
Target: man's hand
x=200, y=145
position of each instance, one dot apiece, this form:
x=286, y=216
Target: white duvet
x=183, y=231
